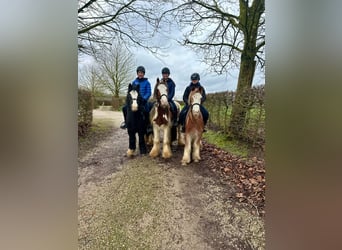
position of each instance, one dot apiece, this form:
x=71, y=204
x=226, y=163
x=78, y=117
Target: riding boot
x=174, y=120
x=205, y=128
x=123, y=125
x=183, y=128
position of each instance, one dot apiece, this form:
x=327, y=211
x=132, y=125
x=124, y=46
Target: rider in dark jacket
x=145, y=92
x=171, y=93
x=194, y=83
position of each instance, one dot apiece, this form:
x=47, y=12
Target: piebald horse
x=136, y=122
x=161, y=120
x=194, y=126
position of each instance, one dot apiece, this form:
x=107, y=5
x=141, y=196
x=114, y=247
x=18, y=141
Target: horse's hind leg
x=142, y=144
x=173, y=133
x=180, y=136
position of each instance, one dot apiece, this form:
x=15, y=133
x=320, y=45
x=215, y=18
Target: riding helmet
x=141, y=68
x=165, y=71
x=195, y=76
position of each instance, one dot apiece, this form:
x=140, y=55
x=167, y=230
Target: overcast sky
x=182, y=62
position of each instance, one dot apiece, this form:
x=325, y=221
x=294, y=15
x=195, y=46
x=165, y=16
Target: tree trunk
x=238, y=116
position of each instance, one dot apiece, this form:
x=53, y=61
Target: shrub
x=85, y=111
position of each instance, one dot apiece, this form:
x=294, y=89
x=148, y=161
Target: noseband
x=163, y=95
x=192, y=105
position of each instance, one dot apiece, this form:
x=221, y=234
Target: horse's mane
x=133, y=87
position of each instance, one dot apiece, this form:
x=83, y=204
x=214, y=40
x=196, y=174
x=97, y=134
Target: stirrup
x=183, y=129
x=123, y=125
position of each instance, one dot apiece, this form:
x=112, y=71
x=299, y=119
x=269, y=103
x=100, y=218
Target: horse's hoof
x=185, y=162
x=167, y=155
x=154, y=152
x=153, y=155
x=130, y=152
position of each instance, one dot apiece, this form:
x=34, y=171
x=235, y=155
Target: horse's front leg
x=196, y=147
x=187, y=150
x=167, y=142
x=156, y=141
x=132, y=144
x=180, y=136
x=142, y=143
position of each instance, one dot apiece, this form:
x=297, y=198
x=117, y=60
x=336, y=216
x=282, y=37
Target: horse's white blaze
x=163, y=93
x=134, y=95
x=196, y=100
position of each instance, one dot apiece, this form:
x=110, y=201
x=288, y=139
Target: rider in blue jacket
x=194, y=83
x=171, y=93
x=145, y=92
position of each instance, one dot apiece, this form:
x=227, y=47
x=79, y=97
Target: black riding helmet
x=165, y=71
x=195, y=76
x=141, y=68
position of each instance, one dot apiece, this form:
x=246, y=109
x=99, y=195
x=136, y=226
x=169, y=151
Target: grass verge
x=99, y=130
x=220, y=140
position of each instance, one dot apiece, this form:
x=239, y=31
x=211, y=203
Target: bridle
x=162, y=96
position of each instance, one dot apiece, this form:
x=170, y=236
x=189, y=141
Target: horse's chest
x=163, y=116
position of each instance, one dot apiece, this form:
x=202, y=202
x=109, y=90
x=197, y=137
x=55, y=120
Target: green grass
x=221, y=140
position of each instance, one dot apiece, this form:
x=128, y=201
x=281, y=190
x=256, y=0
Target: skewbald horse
x=136, y=122
x=194, y=126
x=161, y=119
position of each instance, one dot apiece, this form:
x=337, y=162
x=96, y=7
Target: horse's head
x=161, y=92
x=195, y=97
x=133, y=96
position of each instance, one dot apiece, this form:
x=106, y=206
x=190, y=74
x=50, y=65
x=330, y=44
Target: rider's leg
x=182, y=115
x=205, y=115
x=174, y=113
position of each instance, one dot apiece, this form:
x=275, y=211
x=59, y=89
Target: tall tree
x=90, y=79
x=117, y=66
x=131, y=21
x=228, y=34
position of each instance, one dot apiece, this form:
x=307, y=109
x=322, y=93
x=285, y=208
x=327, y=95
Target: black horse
x=136, y=121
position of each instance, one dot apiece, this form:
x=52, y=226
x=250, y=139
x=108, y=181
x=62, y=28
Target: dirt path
x=145, y=203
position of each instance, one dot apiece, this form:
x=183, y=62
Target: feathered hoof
x=166, y=156
x=149, y=140
x=185, y=162
x=154, y=153
x=130, y=152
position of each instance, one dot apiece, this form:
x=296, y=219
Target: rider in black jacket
x=194, y=83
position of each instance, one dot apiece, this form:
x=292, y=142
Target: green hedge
x=220, y=105
x=85, y=111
